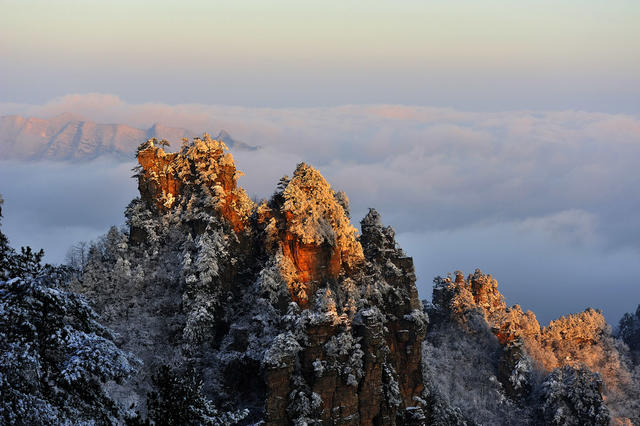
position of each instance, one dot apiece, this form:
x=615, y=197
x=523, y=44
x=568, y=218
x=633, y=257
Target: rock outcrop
x=363, y=352
x=310, y=229
x=280, y=308
x=565, y=341
x=202, y=169
x=577, y=352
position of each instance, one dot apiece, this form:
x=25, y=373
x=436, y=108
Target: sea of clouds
x=547, y=201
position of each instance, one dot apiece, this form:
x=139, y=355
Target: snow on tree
x=573, y=396
x=526, y=352
x=315, y=214
x=25, y=263
x=178, y=399
x=203, y=170
x=284, y=348
x=203, y=291
x=77, y=256
x=54, y=354
x=460, y=367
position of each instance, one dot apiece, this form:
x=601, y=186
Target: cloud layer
x=559, y=182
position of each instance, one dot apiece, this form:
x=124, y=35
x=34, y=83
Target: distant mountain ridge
x=67, y=137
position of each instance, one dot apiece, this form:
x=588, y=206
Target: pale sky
x=480, y=55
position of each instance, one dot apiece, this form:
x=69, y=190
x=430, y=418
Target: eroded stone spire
x=307, y=223
x=203, y=167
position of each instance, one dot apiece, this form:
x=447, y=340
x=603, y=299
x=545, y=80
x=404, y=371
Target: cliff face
x=305, y=223
x=280, y=308
x=202, y=169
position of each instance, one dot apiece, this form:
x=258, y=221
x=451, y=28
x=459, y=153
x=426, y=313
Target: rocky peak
x=485, y=292
x=462, y=298
x=203, y=169
x=573, y=340
x=63, y=118
x=231, y=142
x=582, y=328
x=376, y=239
x=307, y=224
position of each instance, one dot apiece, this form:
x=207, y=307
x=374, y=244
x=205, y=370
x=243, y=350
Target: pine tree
x=54, y=354
x=178, y=400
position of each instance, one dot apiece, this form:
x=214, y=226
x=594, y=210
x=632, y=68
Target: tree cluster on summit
x=223, y=311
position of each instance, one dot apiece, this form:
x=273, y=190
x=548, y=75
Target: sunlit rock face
x=204, y=166
x=578, y=347
x=305, y=223
x=280, y=308
x=560, y=343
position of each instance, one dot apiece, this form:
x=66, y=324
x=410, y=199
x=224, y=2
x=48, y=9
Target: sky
x=498, y=135
x=467, y=54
